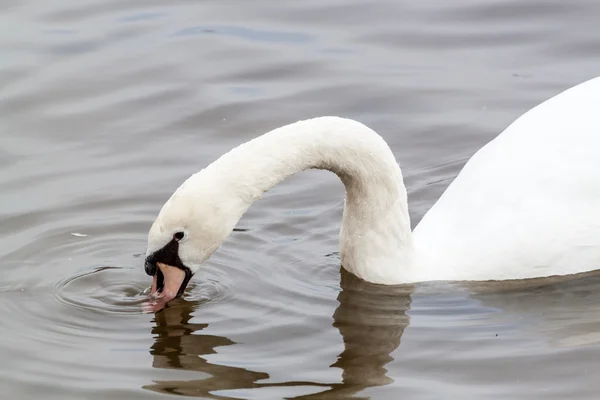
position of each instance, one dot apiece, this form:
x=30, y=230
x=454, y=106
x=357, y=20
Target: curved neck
x=375, y=234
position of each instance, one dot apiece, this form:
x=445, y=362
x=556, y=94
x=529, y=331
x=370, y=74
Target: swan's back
x=528, y=203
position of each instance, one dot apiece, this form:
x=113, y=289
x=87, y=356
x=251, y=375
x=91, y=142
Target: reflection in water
x=179, y=346
x=563, y=312
x=370, y=318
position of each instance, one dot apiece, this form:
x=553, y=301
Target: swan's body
x=526, y=205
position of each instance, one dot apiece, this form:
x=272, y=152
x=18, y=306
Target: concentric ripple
x=108, y=105
x=116, y=290
x=105, y=288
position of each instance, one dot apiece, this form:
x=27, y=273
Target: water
x=107, y=106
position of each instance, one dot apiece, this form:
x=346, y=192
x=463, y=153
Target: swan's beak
x=168, y=283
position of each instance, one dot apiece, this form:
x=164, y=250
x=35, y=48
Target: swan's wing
x=528, y=203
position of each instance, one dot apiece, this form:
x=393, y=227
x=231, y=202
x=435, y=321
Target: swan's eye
x=178, y=235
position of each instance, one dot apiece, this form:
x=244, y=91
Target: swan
x=525, y=205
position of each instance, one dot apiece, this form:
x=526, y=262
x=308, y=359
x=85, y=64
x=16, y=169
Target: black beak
x=168, y=255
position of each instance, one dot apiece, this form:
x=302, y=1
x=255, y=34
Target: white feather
x=526, y=205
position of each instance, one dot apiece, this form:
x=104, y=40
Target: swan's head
x=190, y=227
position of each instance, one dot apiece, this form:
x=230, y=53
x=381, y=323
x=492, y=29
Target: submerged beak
x=170, y=276
x=168, y=283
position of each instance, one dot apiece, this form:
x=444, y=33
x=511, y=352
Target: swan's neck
x=375, y=238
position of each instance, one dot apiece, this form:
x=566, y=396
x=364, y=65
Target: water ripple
x=108, y=105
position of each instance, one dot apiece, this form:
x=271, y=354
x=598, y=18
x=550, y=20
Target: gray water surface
x=107, y=106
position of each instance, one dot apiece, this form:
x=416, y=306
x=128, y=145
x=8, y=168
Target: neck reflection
x=370, y=318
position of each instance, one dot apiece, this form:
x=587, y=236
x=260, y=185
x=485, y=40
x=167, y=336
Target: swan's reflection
x=370, y=318
x=178, y=345
x=562, y=312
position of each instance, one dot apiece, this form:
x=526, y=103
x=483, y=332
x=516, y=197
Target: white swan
x=526, y=205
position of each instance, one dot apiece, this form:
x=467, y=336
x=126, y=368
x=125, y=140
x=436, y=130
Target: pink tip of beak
x=173, y=278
